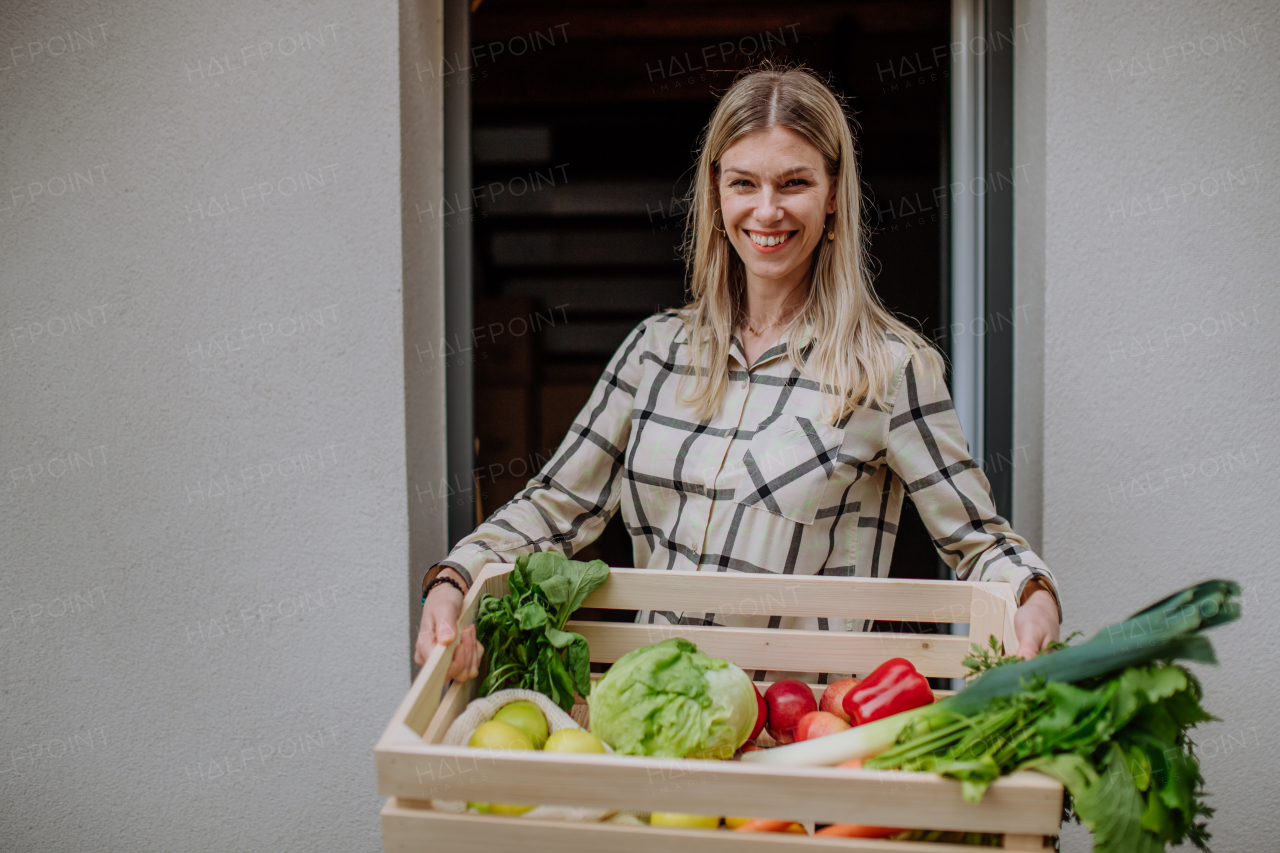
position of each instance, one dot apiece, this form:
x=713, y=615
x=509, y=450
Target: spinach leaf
x=523, y=633
x=580, y=665
x=531, y=615
x=566, y=583
x=560, y=639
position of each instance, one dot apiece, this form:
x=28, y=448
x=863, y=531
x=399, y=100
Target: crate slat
x=784, y=595
x=934, y=655
x=1024, y=802
x=410, y=829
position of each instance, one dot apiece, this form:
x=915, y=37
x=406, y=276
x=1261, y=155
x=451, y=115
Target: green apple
x=507, y=808
x=688, y=821
x=496, y=734
x=573, y=740
x=526, y=717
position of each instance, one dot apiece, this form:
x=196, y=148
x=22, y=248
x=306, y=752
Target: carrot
x=760, y=824
x=852, y=762
x=853, y=830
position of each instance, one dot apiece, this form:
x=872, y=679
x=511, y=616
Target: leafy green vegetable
x=1118, y=744
x=672, y=700
x=523, y=632
x=1109, y=718
x=1167, y=630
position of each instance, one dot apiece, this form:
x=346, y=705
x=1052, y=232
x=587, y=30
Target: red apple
x=762, y=713
x=819, y=724
x=788, y=701
x=833, y=697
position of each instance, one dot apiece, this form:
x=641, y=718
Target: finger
x=469, y=657
x=479, y=657
x=456, y=665
x=445, y=632
x=463, y=657
x=422, y=647
x=1030, y=646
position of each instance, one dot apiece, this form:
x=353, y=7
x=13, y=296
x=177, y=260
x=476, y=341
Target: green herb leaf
x=558, y=678
x=523, y=634
x=531, y=615
x=579, y=660
x=561, y=639
x=566, y=583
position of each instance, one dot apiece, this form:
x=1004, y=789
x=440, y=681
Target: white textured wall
x=203, y=633
x=1160, y=338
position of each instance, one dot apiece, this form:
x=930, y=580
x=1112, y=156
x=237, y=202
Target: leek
x=1167, y=630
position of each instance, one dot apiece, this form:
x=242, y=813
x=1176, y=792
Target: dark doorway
x=585, y=122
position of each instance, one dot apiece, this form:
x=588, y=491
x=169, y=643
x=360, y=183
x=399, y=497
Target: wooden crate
x=413, y=767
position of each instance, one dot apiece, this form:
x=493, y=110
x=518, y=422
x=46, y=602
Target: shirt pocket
x=787, y=465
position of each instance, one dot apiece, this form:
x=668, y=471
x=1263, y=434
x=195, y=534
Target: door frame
x=980, y=244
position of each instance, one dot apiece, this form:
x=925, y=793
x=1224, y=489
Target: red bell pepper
x=894, y=686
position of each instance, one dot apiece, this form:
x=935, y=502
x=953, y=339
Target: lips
x=770, y=241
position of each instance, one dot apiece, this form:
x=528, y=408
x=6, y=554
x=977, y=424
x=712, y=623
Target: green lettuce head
x=672, y=700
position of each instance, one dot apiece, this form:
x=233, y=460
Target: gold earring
x=831, y=235
x=713, y=223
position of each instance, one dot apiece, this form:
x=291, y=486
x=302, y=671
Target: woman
x=774, y=423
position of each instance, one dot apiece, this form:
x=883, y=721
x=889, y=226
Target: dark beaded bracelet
x=439, y=580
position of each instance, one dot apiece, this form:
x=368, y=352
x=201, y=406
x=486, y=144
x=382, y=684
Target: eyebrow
x=792, y=171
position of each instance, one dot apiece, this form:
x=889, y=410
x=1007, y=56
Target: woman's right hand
x=440, y=626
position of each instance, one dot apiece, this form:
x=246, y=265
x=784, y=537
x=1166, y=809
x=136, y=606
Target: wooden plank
x=409, y=827
x=785, y=595
x=454, y=702
x=582, y=715
x=762, y=686
x=1010, y=639
x=987, y=619
x=419, y=705
x=934, y=655
x=1023, y=842
x=1025, y=802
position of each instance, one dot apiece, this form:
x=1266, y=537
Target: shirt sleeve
x=927, y=449
x=568, y=503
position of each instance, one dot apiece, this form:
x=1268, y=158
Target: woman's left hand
x=1036, y=622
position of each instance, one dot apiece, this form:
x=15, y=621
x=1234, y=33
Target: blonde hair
x=849, y=354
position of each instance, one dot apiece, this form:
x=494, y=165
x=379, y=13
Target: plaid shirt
x=766, y=485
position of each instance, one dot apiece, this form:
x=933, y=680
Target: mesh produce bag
x=482, y=710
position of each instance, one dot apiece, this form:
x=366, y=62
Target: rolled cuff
x=1028, y=565
x=1046, y=579
x=468, y=560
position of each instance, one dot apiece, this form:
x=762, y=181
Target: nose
x=768, y=209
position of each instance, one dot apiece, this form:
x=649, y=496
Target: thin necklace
x=746, y=322
x=758, y=332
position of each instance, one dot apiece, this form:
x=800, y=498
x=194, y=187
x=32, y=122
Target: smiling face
x=775, y=196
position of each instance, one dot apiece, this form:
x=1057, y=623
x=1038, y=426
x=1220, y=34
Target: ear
x=831, y=199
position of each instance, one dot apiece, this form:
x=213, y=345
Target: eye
x=740, y=182
x=798, y=182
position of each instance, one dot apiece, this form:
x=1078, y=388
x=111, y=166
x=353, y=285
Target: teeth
x=761, y=240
